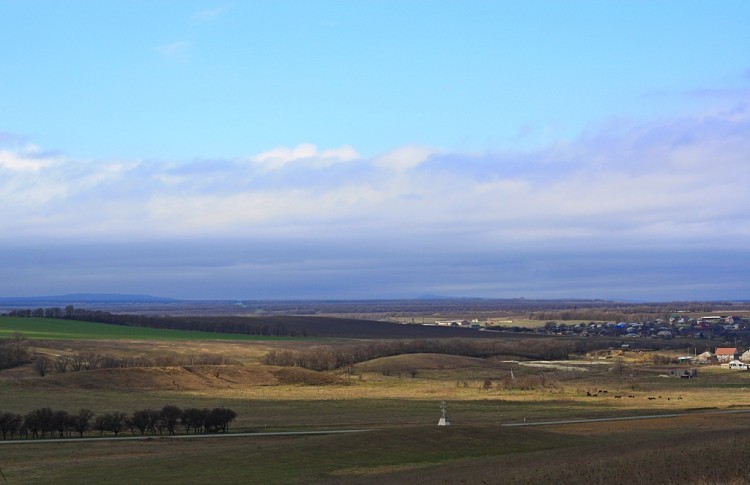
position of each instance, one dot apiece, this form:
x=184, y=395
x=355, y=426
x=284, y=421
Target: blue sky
x=368, y=149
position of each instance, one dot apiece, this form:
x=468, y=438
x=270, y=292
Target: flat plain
x=397, y=398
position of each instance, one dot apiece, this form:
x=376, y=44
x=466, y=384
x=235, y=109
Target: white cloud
x=405, y=158
x=681, y=181
x=305, y=153
x=630, y=210
x=27, y=159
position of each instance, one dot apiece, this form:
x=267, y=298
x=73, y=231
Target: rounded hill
x=422, y=361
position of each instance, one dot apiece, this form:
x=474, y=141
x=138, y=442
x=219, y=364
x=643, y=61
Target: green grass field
x=58, y=329
x=415, y=454
x=266, y=459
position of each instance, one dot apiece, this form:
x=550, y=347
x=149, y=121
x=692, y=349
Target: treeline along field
x=49, y=328
x=46, y=422
x=278, y=326
x=331, y=357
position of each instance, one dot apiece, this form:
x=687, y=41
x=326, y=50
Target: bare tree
x=10, y=423
x=14, y=351
x=81, y=422
x=170, y=415
x=61, y=422
x=62, y=364
x=140, y=420
x=41, y=364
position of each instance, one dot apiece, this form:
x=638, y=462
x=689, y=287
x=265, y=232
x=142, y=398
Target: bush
x=14, y=351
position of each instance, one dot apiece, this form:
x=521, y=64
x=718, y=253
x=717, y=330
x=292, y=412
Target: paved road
x=178, y=436
x=622, y=418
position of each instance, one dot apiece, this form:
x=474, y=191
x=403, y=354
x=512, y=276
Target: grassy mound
x=407, y=362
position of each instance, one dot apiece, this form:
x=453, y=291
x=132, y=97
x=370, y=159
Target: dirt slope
x=164, y=378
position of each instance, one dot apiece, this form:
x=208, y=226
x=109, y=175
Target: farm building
x=706, y=358
x=725, y=354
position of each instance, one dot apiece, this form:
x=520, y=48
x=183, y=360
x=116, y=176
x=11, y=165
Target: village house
x=725, y=354
x=705, y=358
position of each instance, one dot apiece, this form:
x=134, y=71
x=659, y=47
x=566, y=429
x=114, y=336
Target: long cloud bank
x=629, y=210
x=684, y=179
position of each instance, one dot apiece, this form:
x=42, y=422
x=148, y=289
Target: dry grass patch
x=188, y=378
x=241, y=352
x=298, y=375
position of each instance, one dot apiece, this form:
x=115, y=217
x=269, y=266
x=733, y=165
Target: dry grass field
x=397, y=396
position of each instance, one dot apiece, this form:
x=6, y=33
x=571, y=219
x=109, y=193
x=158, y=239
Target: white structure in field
x=444, y=420
x=736, y=364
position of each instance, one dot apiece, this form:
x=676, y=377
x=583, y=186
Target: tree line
x=632, y=312
x=83, y=361
x=334, y=357
x=331, y=357
x=48, y=423
x=268, y=326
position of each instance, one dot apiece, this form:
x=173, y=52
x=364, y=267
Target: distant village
x=707, y=327
x=723, y=327
x=719, y=328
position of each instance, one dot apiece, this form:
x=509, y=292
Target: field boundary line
x=621, y=418
x=36, y=441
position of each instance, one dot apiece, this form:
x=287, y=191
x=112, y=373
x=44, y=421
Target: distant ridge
x=442, y=297
x=88, y=298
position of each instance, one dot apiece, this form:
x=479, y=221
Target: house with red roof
x=725, y=354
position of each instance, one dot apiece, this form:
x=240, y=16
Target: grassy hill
x=406, y=362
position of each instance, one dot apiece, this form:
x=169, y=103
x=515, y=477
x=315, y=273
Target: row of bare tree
x=82, y=361
x=45, y=422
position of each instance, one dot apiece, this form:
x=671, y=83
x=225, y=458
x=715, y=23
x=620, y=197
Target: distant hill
x=73, y=298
